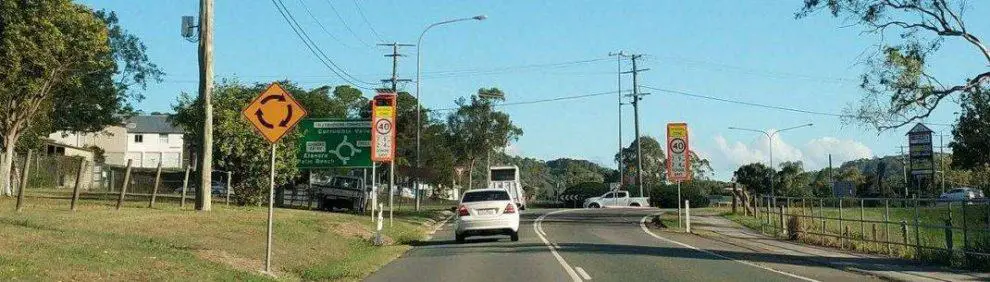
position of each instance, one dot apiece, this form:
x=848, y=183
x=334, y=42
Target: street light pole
x=770, y=136
x=419, y=47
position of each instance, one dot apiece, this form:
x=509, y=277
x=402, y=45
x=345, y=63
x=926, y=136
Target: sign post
x=678, y=159
x=921, y=155
x=383, y=139
x=273, y=113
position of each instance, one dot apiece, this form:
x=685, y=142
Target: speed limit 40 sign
x=383, y=127
x=678, y=153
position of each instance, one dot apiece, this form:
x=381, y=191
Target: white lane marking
x=642, y=224
x=555, y=246
x=583, y=274
x=538, y=227
x=439, y=226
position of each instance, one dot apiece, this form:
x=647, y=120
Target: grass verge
x=48, y=242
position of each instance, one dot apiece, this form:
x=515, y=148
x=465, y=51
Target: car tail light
x=463, y=211
x=510, y=208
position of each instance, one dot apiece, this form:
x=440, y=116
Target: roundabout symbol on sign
x=677, y=145
x=383, y=126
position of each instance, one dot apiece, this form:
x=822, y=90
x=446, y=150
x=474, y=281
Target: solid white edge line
x=583, y=274
x=439, y=226
x=538, y=227
x=642, y=224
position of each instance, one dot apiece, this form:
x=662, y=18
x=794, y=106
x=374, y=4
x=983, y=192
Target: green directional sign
x=335, y=143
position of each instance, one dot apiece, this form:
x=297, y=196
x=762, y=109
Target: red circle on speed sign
x=677, y=145
x=383, y=126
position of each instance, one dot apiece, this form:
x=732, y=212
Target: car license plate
x=486, y=212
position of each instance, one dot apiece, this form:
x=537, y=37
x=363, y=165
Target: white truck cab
x=616, y=199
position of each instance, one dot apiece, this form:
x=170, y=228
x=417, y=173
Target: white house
x=145, y=140
x=151, y=139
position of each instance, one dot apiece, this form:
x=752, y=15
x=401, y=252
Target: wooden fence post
x=123, y=186
x=158, y=180
x=185, y=186
x=24, y=181
x=75, y=189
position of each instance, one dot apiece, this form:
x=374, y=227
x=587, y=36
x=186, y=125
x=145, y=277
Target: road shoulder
x=724, y=230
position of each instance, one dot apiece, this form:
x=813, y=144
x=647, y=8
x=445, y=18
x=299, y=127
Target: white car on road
x=485, y=212
x=616, y=199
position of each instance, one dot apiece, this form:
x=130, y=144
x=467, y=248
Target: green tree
x=898, y=83
x=971, y=135
x=476, y=129
x=58, y=49
x=755, y=177
x=792, y=181
x=242, y=151
x=654, y=163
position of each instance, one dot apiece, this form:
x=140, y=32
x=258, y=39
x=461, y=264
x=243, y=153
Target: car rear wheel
x=594, y=205
x=459, y=238
x=634, y=205
x=514, y=236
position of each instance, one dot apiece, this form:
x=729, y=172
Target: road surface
x=600, y=244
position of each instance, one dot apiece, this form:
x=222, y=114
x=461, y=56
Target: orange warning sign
x=274, y=112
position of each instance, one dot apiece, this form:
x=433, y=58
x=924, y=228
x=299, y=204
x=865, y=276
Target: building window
x=163, y=138
x=138, y=138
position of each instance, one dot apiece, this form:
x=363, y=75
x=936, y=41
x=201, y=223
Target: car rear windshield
x=486, y=196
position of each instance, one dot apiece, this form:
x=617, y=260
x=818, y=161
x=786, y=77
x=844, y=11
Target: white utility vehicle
x=485, y=212
x=616, y=199
x=507, y=178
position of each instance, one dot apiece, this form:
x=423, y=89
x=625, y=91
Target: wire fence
x=73, y=178
x=955, y=232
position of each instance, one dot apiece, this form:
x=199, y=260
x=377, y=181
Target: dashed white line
x=583, y=274
x=538, y=227
x=642, y=224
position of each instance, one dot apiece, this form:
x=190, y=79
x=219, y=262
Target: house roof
x=151, y=124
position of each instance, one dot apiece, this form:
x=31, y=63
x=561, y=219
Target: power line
x=759, y=72
x=366, y=22
x=324, y=28
x=782, y=108
x=301, y=33
x=342, y=21
x=562, y=98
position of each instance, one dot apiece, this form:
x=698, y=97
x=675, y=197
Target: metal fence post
x=862, y=218
x=917, y=225
x=886, y=224
x=230, y=175
x=965, y=228
x=24, y=181
x=821, y=212
x=75, y=189
x=842, y=226
x=904, y=233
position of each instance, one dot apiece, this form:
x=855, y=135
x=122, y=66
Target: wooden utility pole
x=394, y=81
x=203, y=201
x=635, y=103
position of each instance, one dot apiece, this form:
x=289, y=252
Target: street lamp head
x=480, y=17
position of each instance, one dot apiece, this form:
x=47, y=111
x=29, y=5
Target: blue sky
x=753, y=51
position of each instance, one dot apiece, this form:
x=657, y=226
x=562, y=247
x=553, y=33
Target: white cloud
x=814, y=153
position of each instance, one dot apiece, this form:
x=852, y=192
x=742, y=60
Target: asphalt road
x=602, y=244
